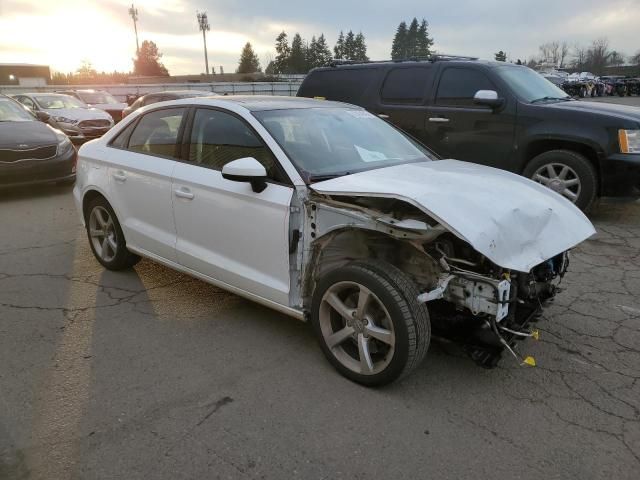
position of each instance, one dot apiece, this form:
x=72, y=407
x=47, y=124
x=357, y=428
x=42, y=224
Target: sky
x=63, y=33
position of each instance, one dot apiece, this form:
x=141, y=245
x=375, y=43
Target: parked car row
x=586, y=84
x=38, y=130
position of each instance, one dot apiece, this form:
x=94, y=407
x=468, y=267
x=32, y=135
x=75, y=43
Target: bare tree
x=616, y=58
x=598, y=55
x=636, y=58
x=550, y=52
x=580, y=56
x=564, y=51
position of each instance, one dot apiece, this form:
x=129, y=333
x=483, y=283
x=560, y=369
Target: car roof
x=255, y=103
x=181, y=92
x=412, y=63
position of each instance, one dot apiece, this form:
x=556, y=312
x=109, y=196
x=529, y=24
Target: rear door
x=225, y=230
x=402, y=97
x=141, y=163
x=458, y=128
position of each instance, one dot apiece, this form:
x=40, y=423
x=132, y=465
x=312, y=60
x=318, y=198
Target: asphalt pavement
x=151, y=374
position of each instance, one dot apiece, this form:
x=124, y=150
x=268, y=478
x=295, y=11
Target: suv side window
x=340, y=84
x=458, y=86
x=156, y=133
x=218, y=138
x=406, y=85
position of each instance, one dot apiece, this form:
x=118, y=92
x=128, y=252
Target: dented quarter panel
x=513, y=221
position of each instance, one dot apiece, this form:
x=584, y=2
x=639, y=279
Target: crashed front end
x=484, y=307
x=471, y=299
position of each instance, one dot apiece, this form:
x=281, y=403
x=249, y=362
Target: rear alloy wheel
x=567, y=173
x=106, y=237
x=369, y=324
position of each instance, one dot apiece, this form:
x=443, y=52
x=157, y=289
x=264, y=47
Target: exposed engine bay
x=470, y=300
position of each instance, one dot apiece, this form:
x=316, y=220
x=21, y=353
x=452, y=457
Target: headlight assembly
x=629, y=141
x=64, y=144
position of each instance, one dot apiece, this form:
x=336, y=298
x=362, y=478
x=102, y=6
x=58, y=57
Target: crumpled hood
x=514, y=222
x=79, y=113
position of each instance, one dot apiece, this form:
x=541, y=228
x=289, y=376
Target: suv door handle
x=438, y=120
x=383, y=115
x=119, y=176
x=184, y=193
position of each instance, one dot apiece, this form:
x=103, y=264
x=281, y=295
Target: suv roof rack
x=429, y=58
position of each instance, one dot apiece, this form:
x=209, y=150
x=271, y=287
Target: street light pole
x=203, y=24
x=133, y=11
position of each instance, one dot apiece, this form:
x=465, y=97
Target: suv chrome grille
x=38, y=153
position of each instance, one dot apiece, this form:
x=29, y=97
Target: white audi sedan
x=327, y=213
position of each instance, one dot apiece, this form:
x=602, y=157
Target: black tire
x=123, y=258
x=398, y=293
x=582, y=167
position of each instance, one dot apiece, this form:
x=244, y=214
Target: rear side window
x=157, y=132
x=406, y=85
x=339, y=84
x=458, y=86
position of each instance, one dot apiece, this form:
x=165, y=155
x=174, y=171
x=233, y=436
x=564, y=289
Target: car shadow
x=45, y=190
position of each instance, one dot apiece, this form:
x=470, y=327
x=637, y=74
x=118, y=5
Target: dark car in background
x=156, y=97
x=100, y=99
x=496, y=114
x=31, y=151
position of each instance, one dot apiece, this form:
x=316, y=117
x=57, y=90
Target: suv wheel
x=567, y=173
x=369, y=323
x=106, y=237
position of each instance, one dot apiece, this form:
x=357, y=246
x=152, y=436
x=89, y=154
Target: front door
x=225, y=230
x=458, y=128
x=141, y=163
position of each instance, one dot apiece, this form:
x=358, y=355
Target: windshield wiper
x=321, y=178
x=544, y=99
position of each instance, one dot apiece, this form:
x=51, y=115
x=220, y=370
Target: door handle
x=439, y=120
x=184, y=193
x=383, y=116
x=119, y=176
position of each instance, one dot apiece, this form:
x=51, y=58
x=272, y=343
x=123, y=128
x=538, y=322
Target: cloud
x=64, y=32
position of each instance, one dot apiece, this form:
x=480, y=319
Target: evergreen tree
x=283, y=52
x=424, y=43
x=147, y=61
x=360, y=49
x=312, y=53
x=249, y=62
x=501, y=56
x=297, y=58
x=349, y=46
x=338, y=50
x=399, y=47
x=519, y=62
x=412, y=39
x=323, y=54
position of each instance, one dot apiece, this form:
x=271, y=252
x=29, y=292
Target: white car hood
x=79, y=113
x=514, y=222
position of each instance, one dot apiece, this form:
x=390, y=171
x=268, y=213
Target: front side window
x=218, y=138
x=458, y=86
x=324, y=142
x=157, y=132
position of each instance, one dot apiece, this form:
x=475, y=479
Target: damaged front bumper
x=488, y=315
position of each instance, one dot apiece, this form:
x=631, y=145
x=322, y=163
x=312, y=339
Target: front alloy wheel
x=560, y=178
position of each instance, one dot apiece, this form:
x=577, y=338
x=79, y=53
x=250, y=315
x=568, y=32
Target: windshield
x=529, y=85
x=55, y=102
x=10, y=111
x=328, y=142
x=97, y=97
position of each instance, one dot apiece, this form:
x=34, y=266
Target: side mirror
x=42, y=116
x=488, y=98
x=246, y=170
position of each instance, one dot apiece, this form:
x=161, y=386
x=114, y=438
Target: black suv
x=497, y=114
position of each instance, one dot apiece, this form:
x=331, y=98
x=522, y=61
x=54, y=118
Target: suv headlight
x=63, y=119
x=629, y=141
x=64, y=144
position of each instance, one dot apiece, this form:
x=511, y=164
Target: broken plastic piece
x=535, y=335
x=529, y=361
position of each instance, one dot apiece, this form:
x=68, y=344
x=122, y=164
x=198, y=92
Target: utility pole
x=203, y=23
x=133, y=11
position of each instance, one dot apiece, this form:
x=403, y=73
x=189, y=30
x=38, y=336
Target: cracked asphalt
x=151, y=374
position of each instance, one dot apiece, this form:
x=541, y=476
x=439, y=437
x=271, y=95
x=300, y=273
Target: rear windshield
x=339, y=84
